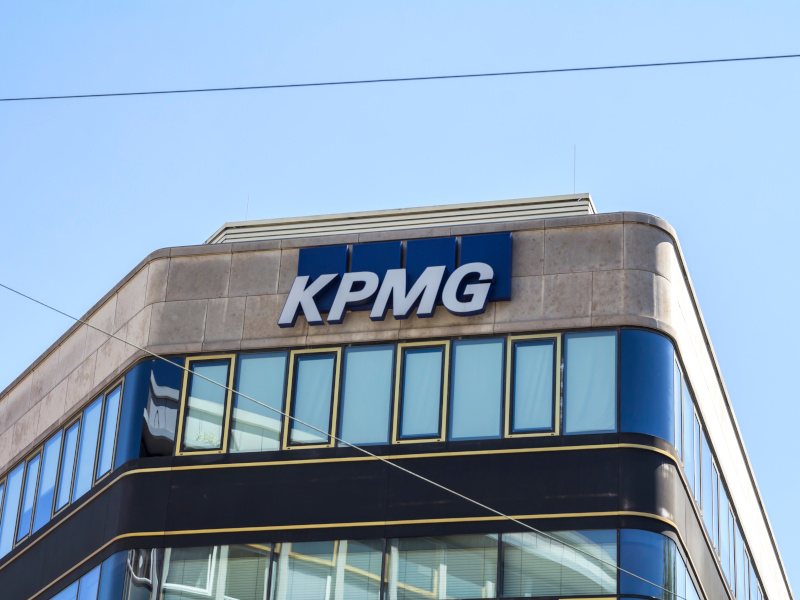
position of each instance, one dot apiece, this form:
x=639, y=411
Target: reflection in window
x=47, y=482
x=688, y=437
x=89, y=584
x=246, y=571
x=28, y=496
x=10, y=508
x=590, y=389
x=533, y=389
x=421, y=392
x=708, y=493
x=677, y=407
x=458, y=566
x=367, y=394
x=536, y=565
x=477, y=389
x=189, y=570
x=109, y=432
x=87, y=449
x=67, y=469
x=205, y=405
x=312, y=398
x=256, y=427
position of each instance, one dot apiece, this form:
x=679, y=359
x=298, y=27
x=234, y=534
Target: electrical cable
x=361, y=449
x=281, y=86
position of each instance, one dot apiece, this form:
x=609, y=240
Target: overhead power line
x=389, y=462
x=283, y=86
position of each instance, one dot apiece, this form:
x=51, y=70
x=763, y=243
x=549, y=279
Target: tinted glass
x=677, y=408
x=88, y=585
x=421, y=401
x=646, y=384
x=312, y=398
x=28, y=497
x=537, y=565
x=533, y=389
x=741, y=568
x=10, y=508
x=590, y=391
x=109, y=432
x=205, y=405
x=256, y=427
x=246, y=571
x=476, y=404
x=458, y=566
x=47, y=481
x=68, y=593
x=707, y=486
x=688, y=436
x=367, y=394
x=65, y=473
x=87, y=449
x=724, y=535
x=654, y=558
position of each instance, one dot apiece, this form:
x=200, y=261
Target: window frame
x=510, y=374
x=226, y=411
x=109, y=389
x=288, y=403
x=38, y=451
x=79, y=420
x=211, y=572
x=444, y=396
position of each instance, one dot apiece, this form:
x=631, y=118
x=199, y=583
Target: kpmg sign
x=461, y=273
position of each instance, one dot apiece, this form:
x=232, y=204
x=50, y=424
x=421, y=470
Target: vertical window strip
x=533, y=385
x=108, y=431
x=28, y=496
x=425, y=365
x=66, y=471
x=476, y=389
x=48, y=476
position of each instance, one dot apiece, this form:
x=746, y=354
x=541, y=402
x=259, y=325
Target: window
x=8, y=524
x=537, y=565
x=246, y=571
x=532, y=385
x=724, y=534
x=367, y=394
x=28, y=497
x=457, y=566
x=108, y=432
x=313, y=389
x=707, y=485
x=590, y=389
x=257, y=422
x=677, y=383
x=67, y=470
x=698, y=459
x=476, y=393
x=714, y=505
x=688, y=437
x=204, y=411
x=654, y=558
x=87, y=449
x=189, y=570
x=47, y=481
x=422, y=387
x=89, y=584
x=741, y=567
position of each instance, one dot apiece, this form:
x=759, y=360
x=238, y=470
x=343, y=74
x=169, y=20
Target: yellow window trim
x=231, y=358
x=398, y=387
x=337, y=352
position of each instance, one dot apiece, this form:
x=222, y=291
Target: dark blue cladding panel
x=376, y=258
x=319, y=261
x=493, y=249
x=424, y=253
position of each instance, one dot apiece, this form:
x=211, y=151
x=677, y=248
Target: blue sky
x=89, y=187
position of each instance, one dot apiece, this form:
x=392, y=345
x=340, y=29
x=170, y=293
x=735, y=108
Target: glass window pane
x=246, y=572
x=688, y=436
x=724, y=537
x=590, y=389
x=707, y=507
x=458, y=566
x=651, y=556
x=109, y=432
x=87, y=449
x=741, y=568
x=312, y=398
x=47, y=481
x=477, y=389
x=87, y=588
x=10, y=508
x=256, y=428
x=698, y=459
x=533, y=389
x=28, y=496
x=205, y=405
x=536, y=565
x=367, y=394
x=189, y=570
x=421, y=396
x=65, y=474
x=68, y=593
x=677, y=408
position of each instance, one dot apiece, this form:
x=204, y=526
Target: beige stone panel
x=81, y=381
x=255, y=273
x=254, y=246
x=72, y=352
x=445, y=324
x=25, y=429
x=665, y=300
x=321, y=240
x=649, y=248
x=16, y=403
x=640, y=293
x=137, y=331
x=608, y=293
x=526, y=304
x=224, y=322
x=110, y=357
x=356, y=327
x=52, y=407
x=6, y=448
x=478, y=228
x=404, y=234
x=574, y=250
x=157, y=276
x=261, y=319
x=131, y=297
x=528, y=248
x=197, y=277
x=45, y=375
x=568, y=296
x=103, y=320
x=179, y=322
x=288, y=270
